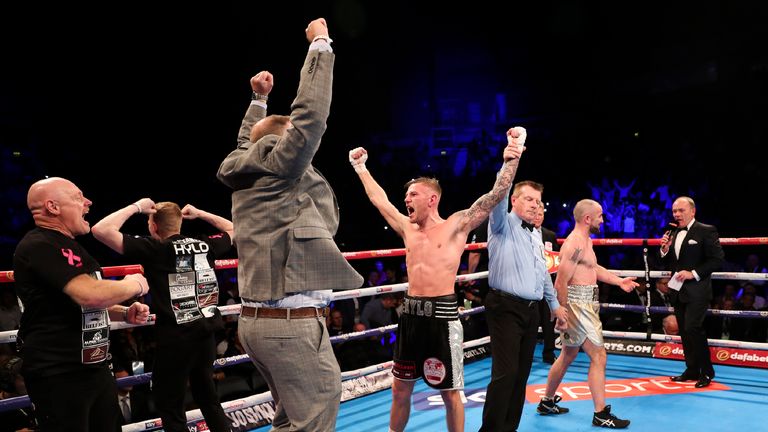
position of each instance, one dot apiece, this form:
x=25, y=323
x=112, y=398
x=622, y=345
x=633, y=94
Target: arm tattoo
x=575, y=257
x=483, y=206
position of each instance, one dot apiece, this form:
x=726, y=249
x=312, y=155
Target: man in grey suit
x=285, y=215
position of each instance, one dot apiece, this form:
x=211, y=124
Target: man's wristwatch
x=259, y=96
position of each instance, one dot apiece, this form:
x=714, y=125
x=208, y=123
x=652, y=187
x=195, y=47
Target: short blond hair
x=429, y=182
x=167, y=218
x=518, y=189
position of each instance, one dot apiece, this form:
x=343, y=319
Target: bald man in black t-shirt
x=64, y=332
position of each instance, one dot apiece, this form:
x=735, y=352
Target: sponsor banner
x=645, y=386
x=251, y=417
x=739, y=357
x=477, y=353
x=630, y=347
x=189, y=246
x=181, y=291
x=93, y=320
x=201, y=262
x=242, y=418
x=197, y=426
x=719, y=355
x=365, y=385
x=95, y=354
x=184, y=303
x=187, y=278
x=183, y=263
x=152, y=425
x=92, y=338
x=206, y=276
x=208, y=294
x=667, y=350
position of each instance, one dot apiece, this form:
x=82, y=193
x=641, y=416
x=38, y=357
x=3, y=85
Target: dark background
x=135, y=99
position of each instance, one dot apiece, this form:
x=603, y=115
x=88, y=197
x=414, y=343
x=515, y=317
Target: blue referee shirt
x=516, y=258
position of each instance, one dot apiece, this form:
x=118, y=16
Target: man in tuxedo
x=547, y=325
x=692, y=252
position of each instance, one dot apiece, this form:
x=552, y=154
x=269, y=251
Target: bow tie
x=526, y=225
x=683, y=228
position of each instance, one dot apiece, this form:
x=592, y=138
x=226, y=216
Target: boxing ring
x=637, y=373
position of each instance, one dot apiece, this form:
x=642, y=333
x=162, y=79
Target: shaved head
x=583, y=208
x=270, y=125
x=46, y=189
x=58, y=204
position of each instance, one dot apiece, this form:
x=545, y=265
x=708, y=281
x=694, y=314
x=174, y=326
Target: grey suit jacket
x=284, y=211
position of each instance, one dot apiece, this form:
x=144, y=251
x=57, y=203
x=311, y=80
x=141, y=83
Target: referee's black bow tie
x=528, y=226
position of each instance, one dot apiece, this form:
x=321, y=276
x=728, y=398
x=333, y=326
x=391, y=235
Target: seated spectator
x=470, y=296
x=359, y=353
x=350, y=312
x=133, y=402
x=380, y=311
x=751, y=288
x=237, y=380
x=12, y=385
x=10, y=313
x=666, y=297
x=670, y=325
x=665, y=294
x=335, y=323
x=729, y=293
x=752, y=265
x=748, y=329
x=720, y=326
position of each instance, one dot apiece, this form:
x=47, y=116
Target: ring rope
x=113, y=271
x=10, y=335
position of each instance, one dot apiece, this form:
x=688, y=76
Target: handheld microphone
x=671, y=228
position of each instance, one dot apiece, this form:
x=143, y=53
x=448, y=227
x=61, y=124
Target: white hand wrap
x=359, y=163
x=520, y=139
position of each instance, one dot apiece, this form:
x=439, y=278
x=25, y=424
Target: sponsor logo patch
x=434, y=371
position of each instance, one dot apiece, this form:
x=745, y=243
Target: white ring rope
x=10, y=335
